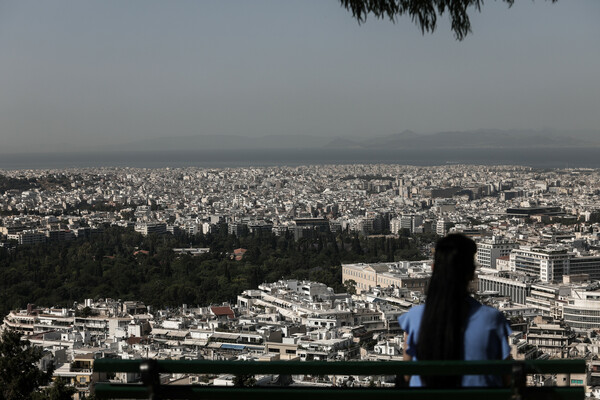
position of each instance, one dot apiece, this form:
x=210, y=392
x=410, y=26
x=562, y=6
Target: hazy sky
x=89, y=72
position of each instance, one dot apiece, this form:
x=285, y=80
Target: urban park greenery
x=110, y=265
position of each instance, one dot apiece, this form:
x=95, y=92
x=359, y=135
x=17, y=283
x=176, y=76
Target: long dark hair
x=441, y=335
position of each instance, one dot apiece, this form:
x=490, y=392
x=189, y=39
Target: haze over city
x=100, y=76
x=237, y=181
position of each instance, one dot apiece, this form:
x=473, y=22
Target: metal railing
x=151, y=388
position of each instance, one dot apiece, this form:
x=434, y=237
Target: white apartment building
x=582, y=311
x=442, y=226
x=151, y=228
x=406, y=221
x=489, y=250
x=515, y=289
x=28, y=237
x=545, y=298
x=395, y=225
x=546, y=264
x=552, y=339
x=551, y=264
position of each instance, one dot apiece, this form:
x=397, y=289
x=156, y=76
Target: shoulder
x=488, y=314
x=411, y=318
x=416, y=310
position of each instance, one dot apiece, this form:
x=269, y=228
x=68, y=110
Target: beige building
x=552, y=339
x=368, y=276
x=287, y=350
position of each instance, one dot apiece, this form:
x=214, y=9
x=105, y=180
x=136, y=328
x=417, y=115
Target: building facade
x=509, y=287
x=369, y=276
x=546, y=264
x=489, y=250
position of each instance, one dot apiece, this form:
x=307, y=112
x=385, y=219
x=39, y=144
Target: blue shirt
x=486, y=338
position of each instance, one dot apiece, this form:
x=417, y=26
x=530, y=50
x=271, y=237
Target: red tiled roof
x=238, y=254
x=222, y=311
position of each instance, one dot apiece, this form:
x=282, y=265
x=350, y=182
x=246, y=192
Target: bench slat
x=345, y=368
x=107, y=390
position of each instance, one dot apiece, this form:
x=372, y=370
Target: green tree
x=84, y=312
x=105, y=266
x=58, y=391
x=244, y=380
x=350, y=286
x=19, y=374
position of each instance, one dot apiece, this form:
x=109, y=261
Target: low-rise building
x=410, y=275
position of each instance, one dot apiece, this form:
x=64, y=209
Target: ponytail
x=441, y=334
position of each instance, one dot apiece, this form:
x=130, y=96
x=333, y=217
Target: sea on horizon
x=573, y=157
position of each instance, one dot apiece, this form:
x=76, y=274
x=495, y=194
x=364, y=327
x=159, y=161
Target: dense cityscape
x=309, y=262
x=271, y=199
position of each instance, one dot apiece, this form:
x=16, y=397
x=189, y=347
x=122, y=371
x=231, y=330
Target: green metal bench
x=517, y=370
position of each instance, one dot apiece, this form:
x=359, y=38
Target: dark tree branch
x=423, y=13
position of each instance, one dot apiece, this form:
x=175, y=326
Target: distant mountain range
x=484, y=138
x=223, y=142
x=406, y=140
x=474, y=139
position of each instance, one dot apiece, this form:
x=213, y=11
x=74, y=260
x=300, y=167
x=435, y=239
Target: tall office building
x=442, y=226
x=412, y=222
x=490, y=249
x=548, y=264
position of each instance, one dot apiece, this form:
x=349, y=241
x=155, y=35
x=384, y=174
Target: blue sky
x=77, y=74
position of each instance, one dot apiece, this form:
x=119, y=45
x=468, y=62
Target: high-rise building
x=442, y=226
x=551, y=264
x=412, y=222
x=548, y=264
x=490, y=249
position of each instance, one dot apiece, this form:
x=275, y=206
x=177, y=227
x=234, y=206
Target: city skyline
x=310, y=263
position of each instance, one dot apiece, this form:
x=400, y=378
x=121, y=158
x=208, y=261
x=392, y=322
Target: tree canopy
x=108, y=265
x=19, y=374
x=20, y=377
x=424, y=13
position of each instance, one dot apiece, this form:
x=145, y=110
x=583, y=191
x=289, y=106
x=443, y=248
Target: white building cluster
x=285, y=320
x=494, y=200
x=537, y=231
